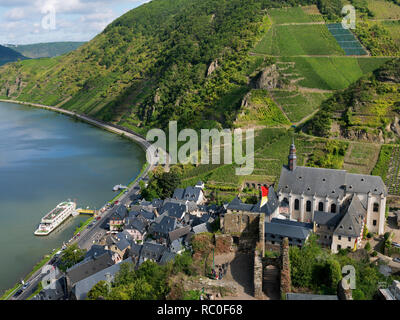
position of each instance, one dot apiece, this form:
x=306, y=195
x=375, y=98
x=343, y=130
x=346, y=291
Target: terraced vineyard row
x=393, y=177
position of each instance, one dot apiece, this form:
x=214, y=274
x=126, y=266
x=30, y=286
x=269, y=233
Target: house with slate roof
x=136, y=227
x=56, y=291
x=194, y=194
x=160, y=230
x=118, y=217
x=87, y=268
x=296, y=232
x=82, y=287
x=173, y=209
x=135, y=251
x=122, y=244
x=152, y=251
x=306, y=191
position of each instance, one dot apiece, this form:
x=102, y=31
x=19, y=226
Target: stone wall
x=258, y=275
x=244, y=225
x=261, y=234
x=237, y=223
x=286, y=282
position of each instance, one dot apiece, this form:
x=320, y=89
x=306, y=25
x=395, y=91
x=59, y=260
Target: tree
x=100, y=290
x=71, y=256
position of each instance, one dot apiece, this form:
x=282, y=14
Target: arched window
x=333, y=208
x=321, y=206
x=296, y=204
x=308, y=206
x=376, y=207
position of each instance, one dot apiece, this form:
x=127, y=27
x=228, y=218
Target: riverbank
x=105, y=126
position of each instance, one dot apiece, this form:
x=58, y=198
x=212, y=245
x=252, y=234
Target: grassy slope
x=290, y=40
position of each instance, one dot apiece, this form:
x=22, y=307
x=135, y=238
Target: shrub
x=368, y=246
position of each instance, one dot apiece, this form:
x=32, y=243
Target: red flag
x=264, y=196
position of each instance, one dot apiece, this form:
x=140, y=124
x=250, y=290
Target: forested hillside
x=152, y=65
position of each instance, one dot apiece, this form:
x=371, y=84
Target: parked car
x=395, y=244
x=18, y=293
x=26, y=285
x=98, y=218
x=396, y=260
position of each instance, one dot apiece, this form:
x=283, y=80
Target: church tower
x=292, y=157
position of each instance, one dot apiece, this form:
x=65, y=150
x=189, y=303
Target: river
x=47, y=158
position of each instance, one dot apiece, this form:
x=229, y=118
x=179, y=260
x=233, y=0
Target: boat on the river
x=55, y=217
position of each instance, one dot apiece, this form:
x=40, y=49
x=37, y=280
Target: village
x=338, y=208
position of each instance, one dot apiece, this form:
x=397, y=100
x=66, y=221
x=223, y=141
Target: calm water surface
x=47, y=158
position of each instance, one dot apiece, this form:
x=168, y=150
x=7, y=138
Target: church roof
x=352, y=221
x=330, y=183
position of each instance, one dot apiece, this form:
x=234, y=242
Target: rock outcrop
x=363, y=135
x=213, y=66
x=268, y=78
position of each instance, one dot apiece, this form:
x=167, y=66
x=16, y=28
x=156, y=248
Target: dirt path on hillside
x=299, y=23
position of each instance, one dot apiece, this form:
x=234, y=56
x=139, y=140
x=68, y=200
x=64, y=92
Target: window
x=333, y=208
x=339, y=237
x=296, y=204
x=321, y=206
x=376, y=207
x=308, y=206
x=374, y=222
x=339, y=247
x=349, y=239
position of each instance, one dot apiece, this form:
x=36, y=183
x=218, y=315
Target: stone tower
x=292, y=157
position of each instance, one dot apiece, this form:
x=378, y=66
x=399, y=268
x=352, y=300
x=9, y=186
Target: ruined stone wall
x=244, y=225
x=241, y=222
x=286, y=282
x=261, y=234
x=258, y=275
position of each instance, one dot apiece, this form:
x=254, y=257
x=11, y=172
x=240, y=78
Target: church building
x=340, y=204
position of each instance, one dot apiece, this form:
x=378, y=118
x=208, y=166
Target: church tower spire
x=292, y=157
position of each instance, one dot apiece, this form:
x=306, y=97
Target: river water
x=47, y=158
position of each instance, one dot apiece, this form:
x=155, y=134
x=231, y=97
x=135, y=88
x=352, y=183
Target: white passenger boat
x=55, y=217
